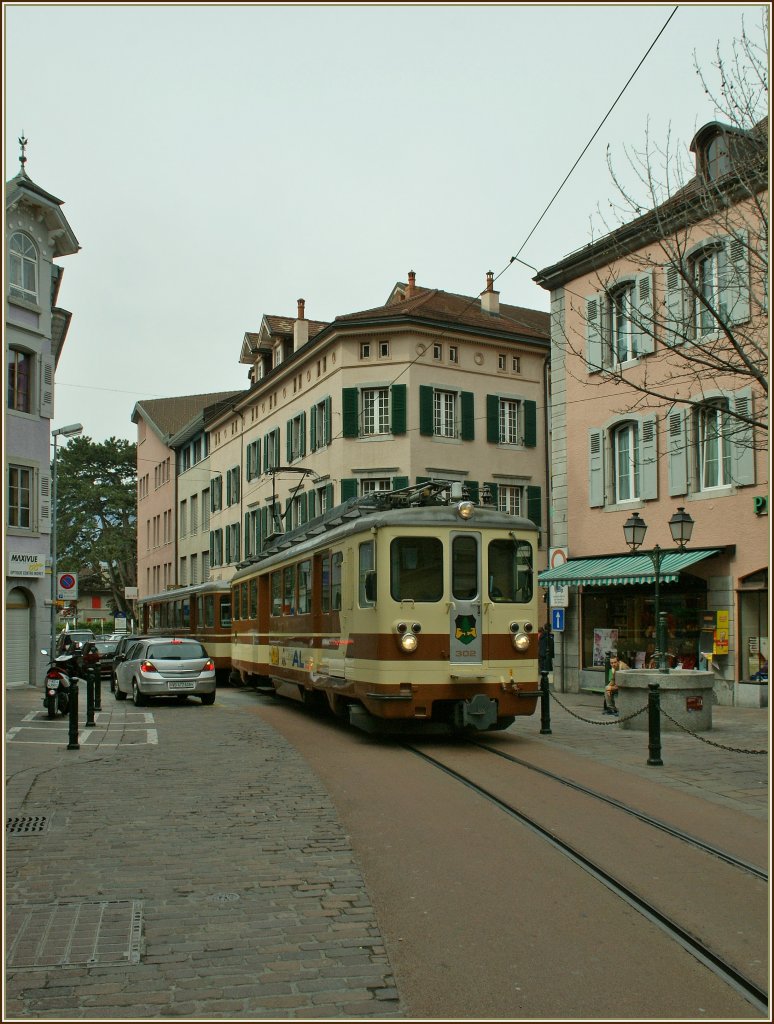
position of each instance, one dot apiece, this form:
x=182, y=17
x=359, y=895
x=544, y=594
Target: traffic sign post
x=67, y=586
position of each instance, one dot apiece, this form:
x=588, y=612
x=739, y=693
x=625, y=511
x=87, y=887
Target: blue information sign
x=557, y=620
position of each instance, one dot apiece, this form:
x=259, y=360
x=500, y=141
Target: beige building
x=429, y=385
x=659, y=361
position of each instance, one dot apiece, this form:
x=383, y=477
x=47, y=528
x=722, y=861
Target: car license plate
x=185, y=684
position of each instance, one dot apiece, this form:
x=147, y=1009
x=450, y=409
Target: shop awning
x=621, y=569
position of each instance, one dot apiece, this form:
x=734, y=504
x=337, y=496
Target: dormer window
x=23, y=268
x=717, y=162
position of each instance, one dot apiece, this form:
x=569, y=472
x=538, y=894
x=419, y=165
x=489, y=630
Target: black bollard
x=654, y=724
x=73, y=743
x=545, y=706
x=89, y=698
x=97, y=689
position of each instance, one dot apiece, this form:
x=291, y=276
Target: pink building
x=659, y=364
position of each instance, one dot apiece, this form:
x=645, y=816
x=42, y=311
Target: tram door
x=465, y=613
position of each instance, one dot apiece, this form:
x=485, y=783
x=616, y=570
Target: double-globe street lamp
x=681, y=527
x=71, y=430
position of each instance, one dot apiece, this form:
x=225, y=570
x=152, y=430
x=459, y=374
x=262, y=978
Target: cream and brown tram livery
x=202, y=611
x=410, y=610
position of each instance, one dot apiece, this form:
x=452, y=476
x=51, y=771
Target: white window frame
x=510, y=416
x=446, y=417
x=15, y=506
x=625, y=445
x=709, y=270
x=13, y=376
x=510, y=499
x=714, y=450
x=23, y=267
x=370, y=485
x=375, y=411
x=623, y=331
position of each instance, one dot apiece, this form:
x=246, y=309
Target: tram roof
x=192, y=590
x=417, y=505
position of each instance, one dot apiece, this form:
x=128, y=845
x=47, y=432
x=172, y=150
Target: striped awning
x=621, y=569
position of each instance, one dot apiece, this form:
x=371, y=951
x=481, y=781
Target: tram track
x=719, y=964
x=663, y=826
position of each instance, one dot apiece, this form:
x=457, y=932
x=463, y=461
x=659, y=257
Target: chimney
x=412, y=284
x=300, y=328
x=490, y=299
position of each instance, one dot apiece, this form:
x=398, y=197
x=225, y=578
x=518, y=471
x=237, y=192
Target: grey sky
x=220, y=162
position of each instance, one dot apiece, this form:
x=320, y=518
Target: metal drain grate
x=102, y=934
x=27, y=826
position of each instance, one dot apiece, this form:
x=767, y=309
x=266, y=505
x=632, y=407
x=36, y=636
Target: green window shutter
x=493, y=419
x=674, y=317
x=530, y=424
x=249, y=463
x=643, y=298
x=228, y=545
x=348, y=488
x=467, y=403
x=648, y=458
x=493, y=491
x=327, y=438
x=266, y=456
x=313, y=430
x=238, y=539
x=472, y=486
x=212, y=548
x=742, y=447
x=329, y=495
x=257, y=457
x=303, y=434
x=423, y=479
x=595, y=308
x=425, y=410
x=399, y=482
x=398, y=409
x=304, y=508
x=248, y=545
x=349, y=412
x=735, y=298
x=228, y=488
x=534, y=506
x=236, y=483
x=596, y=468
x=289, y=441
x=677, y=452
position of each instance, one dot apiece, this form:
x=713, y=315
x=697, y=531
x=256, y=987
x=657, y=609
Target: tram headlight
x=520, y=641
x=465, y=509
x=409, y=643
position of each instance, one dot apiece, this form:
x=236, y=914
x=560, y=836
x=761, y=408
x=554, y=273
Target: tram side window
x=243, y=601
x=276, y=593
x=156, y=615
x=338, y=558
x=304, y=587
x=289, y=590
x=510, y=571
x=209, y=611
x=163, y=615
x=186, y=614
x=416, y=569
x=225, y=612
x=366, y=585
x=253, y=608
x=325, y=602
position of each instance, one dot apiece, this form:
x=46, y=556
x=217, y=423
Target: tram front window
x=416, y=569
x=510, y=571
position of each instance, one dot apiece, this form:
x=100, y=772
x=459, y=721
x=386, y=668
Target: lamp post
x=71, y=430
x=681, y=527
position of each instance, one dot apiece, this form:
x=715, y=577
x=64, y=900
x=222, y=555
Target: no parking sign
x=67, y=586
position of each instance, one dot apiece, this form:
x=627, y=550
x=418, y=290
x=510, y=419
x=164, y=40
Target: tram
x=201, y=611
x=403, y=611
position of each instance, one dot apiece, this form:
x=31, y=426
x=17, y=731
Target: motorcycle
x=59, y=677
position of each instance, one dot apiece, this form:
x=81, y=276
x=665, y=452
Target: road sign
x=67, y=586
x=557, y=620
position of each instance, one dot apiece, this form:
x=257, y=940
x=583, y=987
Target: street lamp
x=71, y=430
x=681, y=528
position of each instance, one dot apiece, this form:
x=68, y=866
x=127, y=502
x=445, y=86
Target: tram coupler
x=545, y=706
x=480, y=712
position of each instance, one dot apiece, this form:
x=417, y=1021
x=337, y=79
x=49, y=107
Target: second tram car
x=202, y=611
x=411, y=610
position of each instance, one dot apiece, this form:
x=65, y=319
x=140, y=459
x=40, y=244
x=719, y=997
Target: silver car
x=166, y=667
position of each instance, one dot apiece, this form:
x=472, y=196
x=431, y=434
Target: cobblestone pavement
x=184, y=862
x=728, y=764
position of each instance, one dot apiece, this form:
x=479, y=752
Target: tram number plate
x=183, y=685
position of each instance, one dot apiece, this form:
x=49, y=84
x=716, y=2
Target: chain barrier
x=720, y=746
x=614, y=719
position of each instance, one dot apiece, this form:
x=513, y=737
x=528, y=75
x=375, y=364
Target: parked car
x=166, y=667
x=106, y=650
x=78, y=637
x=119, y=655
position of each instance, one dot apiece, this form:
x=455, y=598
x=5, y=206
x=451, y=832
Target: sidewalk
x=184, y=862
x=713, y=765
